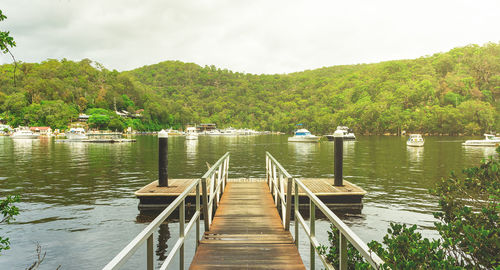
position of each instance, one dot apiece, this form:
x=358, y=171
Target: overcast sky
x=247, y=36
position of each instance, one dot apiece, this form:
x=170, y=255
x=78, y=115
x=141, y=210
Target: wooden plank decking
x=247, y=233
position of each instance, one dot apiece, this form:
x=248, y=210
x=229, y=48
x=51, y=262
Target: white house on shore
x=47, y=131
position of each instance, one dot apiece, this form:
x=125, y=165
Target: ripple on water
x=81, y=195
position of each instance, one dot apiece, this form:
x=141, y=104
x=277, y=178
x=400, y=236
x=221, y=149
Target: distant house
x=42, y=130
x=138, y=113
x=83, y=118
x=206, y=127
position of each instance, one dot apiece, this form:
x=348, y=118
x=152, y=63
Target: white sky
x=251, y=36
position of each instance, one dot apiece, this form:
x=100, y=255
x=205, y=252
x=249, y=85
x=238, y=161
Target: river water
x=78, y=202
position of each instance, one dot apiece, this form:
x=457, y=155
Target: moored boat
x=76, y=134
x=303, y=135
x=191, y=133
x=489, y=140
x=415, y=140
x=22, y=133
x=347, y=134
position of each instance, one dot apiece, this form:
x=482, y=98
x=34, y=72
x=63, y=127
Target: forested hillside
x=446, y=93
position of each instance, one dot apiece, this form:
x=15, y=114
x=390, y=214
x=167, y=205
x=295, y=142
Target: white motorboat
x=303, y=135
x=415, y=140
x=191, y=133
x=22, y=133
x=76, y=134
x=347, y=132
x=214, y=132
x=489, y=140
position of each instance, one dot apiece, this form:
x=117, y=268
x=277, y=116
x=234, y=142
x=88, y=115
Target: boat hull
x=305, y=139
x=25, y=136
x=76, y=137
x=481, y=143
x=415, y=144
x=191, y=137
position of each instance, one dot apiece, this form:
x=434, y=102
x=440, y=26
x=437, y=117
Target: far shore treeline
x=457, y=92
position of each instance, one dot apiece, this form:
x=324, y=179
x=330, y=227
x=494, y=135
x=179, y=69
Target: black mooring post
x=339, y=157
x=163, y=158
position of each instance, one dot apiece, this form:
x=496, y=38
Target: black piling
x=163, y=158
x=338, y=157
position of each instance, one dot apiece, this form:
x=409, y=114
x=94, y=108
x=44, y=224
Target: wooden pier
x=344, y=198
x=251, y=225
x=247, y=233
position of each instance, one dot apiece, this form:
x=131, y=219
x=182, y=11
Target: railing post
x=150, y=253
x=267, y=170
x=198, y=219
x=282, y=192
x=296, y=207
x=211, y=198
x=224, y=175
x=227, y=169
x=343, y=252
x=312, y=225
x=182, y=220
x=275, y=182
x=288, y=203
x=218, y=179
x=205, y=203
x=278, y=197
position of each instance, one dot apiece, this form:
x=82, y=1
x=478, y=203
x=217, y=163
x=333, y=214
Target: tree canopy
x=446, y=93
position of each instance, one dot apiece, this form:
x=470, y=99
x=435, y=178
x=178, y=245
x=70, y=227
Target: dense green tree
x=14, y=104
x=446, y=93
x=99, y=121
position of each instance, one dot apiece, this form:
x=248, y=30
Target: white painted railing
x=276, y=175
x=216, y=178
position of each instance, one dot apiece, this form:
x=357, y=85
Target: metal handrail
x=276, y=176
x=345, y=233
x=217, y=177
x=147, y=234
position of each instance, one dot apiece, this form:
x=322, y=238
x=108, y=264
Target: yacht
x=489, y=140
x=303, y=135
x=22, y=133
x=348, y=134
x=76, y=134
x=415, y=140
x=191, y=133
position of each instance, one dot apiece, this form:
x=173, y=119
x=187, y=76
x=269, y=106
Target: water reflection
x=303, y=152
x=349, y=147
x=191, y=149
x=77, y=195
x=415, y=154
x=162, y=246
x=480, y=151
x=25, y=146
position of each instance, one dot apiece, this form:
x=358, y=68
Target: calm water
x=78, y=202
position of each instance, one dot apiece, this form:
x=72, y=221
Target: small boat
x=22, y=133
x=489, y=140
x=303, y=135
x=347, y=132
x=415, y=140
x=191, y=133
x=76, y=134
